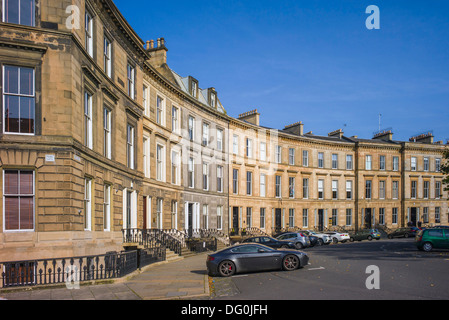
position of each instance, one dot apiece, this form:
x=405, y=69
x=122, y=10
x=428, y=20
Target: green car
x=365, y=234
x=429, y=239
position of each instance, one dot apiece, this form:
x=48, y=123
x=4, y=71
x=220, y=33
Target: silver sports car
x=253, y=257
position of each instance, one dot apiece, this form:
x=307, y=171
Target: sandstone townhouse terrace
x=100, y=135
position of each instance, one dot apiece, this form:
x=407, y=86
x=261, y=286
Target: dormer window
x=212, y=97
x=212, y=100
x=193, y=87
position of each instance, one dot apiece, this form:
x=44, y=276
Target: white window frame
x=107, y=208
x=19, y=195
x=107, y=56
x=107, y=133
x=263, y=151
x=160, y=110
x=320, y=189
x=263, y=182
x=88, y=115
x=87, y=204
x=33, y=23
x=130, y=139
x=191, y=173
x=160, y=162
x=278, y=186
x=146, y=156
x=334, y=161
x=18, y=95
x=291, y=156
x=89, y=32
x=413, y=164
x=368, y=162
x=131, y=78
x=176, y=168
x=235, y=144
x=220, y=179
x=205, y=135
x=278, y=154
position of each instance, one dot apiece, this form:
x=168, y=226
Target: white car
x=323, y=238
x=339, y=236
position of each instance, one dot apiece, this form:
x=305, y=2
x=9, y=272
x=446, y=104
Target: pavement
x=184, y=278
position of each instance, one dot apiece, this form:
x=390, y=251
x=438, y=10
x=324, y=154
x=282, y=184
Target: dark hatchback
x=271, y=242
x=406, y=232
x=252, y=257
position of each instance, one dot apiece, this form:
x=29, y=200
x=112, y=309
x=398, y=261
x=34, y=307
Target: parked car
x=429, y=239
x=338, y=236
x=365, y=234
x=252, y=257
x=322, y=237
x=271, y=242
x=403, y=232
x=300, y=239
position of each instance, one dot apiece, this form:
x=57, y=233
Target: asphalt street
x=342, y=271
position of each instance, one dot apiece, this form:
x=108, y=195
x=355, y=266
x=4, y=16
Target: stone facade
x=114, y=139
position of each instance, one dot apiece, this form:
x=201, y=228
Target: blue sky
x=312, y=60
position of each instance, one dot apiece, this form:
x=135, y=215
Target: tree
x=445, y=169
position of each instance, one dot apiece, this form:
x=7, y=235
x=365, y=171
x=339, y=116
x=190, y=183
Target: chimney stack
x=252, y=117
x=423, y=138
x=337, y=133
x=386, y=135
x=296, y=128
x=158, y=53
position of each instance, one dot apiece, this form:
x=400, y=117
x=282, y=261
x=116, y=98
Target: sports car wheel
x=226, y=268
x=290, y=263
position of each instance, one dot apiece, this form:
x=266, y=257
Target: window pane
x=26, y=213
x=26, y=81
x=11, y=213
x=11, y=80
x=11, y=182
x=26, y=182
x=27, y=115
x=12, y=117
x=12, y=11
x=27, y=12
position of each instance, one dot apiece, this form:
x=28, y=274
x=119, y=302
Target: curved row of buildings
x=100, y=135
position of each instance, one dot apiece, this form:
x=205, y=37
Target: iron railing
x=174, y=239
x=80, y=269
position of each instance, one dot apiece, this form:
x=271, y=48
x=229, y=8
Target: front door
x=368, y=218
x=320, y=219
x=235, y=218
x=278, y=219
x=190, y=219
x=413, y=217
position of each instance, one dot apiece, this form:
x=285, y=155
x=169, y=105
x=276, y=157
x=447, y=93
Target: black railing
x=175, y=240
x=148, y=238
x=78, y=269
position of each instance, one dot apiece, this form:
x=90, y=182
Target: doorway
x=278, y=219
x=413, y=217
x=235, y=218
x=320, y=219
x=368, y=218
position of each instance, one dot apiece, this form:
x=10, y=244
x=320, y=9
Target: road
x=340, y=272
